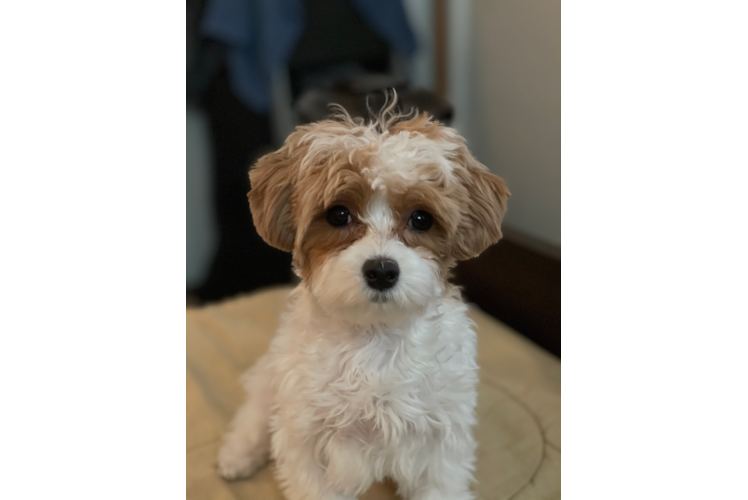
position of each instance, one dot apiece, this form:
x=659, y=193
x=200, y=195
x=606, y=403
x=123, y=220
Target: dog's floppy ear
x=482, y=210
x=272, y=182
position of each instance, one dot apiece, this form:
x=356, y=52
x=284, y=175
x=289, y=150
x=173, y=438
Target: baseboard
x=531, y=243
x=529, y=286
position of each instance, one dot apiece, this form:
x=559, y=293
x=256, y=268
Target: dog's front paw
x=235, y=463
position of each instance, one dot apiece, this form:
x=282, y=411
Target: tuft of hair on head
x=340, y=114
x=390, y=113
x=378, y=121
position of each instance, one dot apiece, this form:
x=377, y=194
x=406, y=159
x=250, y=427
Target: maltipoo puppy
x=372, y=373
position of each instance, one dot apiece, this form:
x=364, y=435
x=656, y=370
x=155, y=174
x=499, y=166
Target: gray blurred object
x=360, y=93
x=202, y=233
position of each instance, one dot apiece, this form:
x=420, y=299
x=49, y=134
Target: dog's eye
x=421, y=221
x=338, y=216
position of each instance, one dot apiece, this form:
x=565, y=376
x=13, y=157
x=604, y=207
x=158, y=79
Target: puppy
x=372, y=372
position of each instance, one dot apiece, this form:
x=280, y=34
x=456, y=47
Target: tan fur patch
x=321, y=241
x=484, y=205
x=272, y=180
x=334, y=178
x=479, y=202
x=421, y=123
x=481, y=198
x=432, y=200
x=284, y=199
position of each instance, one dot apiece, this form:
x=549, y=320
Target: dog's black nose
x=381, y=273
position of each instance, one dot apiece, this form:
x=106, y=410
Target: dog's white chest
x=383, y=393
x=379, y=385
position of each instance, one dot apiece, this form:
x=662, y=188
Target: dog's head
x=376, y=214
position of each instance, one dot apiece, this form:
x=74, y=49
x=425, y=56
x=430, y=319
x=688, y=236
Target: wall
x=421, y=18
x=505, y=82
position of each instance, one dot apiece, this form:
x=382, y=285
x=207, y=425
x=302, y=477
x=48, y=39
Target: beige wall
x=505, y=65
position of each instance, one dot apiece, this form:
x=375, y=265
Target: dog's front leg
x=246, y=446
x=447, y=474
x=300, y=475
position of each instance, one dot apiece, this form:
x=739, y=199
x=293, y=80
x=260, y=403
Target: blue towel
x=262, y=34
